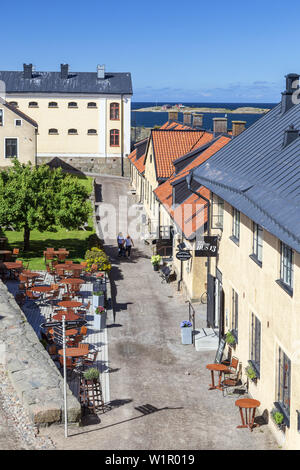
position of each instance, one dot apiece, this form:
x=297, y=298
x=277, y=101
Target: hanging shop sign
x=183, y=255
x=207, y=247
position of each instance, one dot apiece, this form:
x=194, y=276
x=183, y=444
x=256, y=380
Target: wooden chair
x=83, y=331
x=32, y=296
x=69, y=261
x=229, y=384
x=233, y=366
x=15, y=253
x=90, y=359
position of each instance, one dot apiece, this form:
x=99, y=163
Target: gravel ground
x=16, y=430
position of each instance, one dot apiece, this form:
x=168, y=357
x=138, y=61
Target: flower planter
x=98, y=301
x=187, y=335
x=155, y=267
x=97, y=321
x=102, y=320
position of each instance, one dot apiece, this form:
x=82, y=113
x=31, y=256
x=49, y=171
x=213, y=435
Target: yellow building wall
x=25, y=135
x=278, y=313
x=63, y=118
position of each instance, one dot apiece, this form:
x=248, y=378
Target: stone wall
x=86, y=165
x=32, y=372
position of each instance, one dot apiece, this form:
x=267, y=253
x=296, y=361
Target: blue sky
x=199, y=51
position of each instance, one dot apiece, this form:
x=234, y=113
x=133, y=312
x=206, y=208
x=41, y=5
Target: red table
x=72, y=280
x=41, y=289
x=70, y=304
x=68, y=316
x=75, y=352
x=248, y=404
x=217, y=368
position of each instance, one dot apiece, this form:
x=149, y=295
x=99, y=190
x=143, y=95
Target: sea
x=151, y=119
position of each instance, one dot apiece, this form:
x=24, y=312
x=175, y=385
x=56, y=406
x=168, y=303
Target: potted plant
x=251, y=374
x=98, y=298
x=186, y=332
x=278, y=419
x=155, y=260
x=230, y=339
x=91, y=375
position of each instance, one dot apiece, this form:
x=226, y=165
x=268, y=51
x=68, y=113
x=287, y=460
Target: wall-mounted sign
x=207, y=246
x=183, y=255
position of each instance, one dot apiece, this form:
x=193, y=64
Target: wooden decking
x=40, y=312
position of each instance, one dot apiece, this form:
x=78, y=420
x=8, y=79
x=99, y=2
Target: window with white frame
x=255, y=343
x=283, y=384
x=18, y=122
x=236, y=224
x=257, y=242
x=217, y=212
x=286, y=265
x=11, y=148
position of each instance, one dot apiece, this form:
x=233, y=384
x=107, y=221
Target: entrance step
x=206, y=339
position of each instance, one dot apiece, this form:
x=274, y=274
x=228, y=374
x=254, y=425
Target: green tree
x=41, y=198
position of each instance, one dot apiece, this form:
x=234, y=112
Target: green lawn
x=74, y=241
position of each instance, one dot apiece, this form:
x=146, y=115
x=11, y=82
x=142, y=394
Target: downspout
x=122, y=137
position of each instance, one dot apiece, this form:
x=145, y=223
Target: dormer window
x=53, y=131
x=33, y=104
x=92, y=132
x=92, y=104
x=72, y=131
x=14, y=103
x=52, y=104
x=115, y=112
x=72, y=104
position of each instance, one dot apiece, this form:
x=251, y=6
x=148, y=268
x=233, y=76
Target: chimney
x=220, y=125
x=238, y=127
x=187, y=118
x=288, y=100
x=197, y=120
x=100, y=71
x=290, y=135
x=64, y=71
x=27, y=70
x=173, y=115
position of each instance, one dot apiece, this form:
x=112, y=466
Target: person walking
x=120, y=241
x=128, y=244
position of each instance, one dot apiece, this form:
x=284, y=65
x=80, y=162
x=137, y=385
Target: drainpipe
x=122, y=137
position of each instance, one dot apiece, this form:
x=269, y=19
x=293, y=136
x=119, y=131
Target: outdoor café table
x=11, y=266
x=68, y=316
x=70, y=304
x=248, y=404
x=75, y=352
x=41, y=289
x=3, y=253
x=57, y=252
x=30, y=275
x=73, y=281
x=216, y=368
x=69, y=267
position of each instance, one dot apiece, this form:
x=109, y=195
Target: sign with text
x=183, y=255
x=207, y=247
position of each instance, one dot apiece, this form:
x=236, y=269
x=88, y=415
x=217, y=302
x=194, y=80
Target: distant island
x=181, y=109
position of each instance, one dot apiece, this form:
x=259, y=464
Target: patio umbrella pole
x=65, y=375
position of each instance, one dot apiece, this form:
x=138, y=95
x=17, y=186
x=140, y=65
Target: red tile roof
x=168, y=145
x=189, y=215
x=140, y=164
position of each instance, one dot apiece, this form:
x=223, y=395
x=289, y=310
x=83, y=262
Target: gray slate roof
x=260, y=178
x=78, y=82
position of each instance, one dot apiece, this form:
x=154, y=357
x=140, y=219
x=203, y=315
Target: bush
x=250, y=372
x=96, y=256
x=230, y=339
x=155, y=259
x=94, y=241
x=277, y=416
x=91, y=374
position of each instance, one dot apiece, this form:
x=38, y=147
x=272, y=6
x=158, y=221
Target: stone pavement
x=149, y=366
